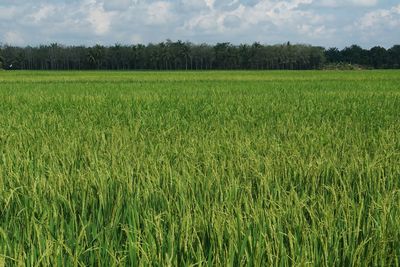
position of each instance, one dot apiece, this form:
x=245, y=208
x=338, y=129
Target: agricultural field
x=200, y=168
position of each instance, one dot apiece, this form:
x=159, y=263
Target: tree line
x=377, y=57
x=180, y=55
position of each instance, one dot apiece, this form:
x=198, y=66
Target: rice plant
x=200, y=168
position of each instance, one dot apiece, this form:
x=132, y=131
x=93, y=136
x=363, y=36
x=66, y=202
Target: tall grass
x=200, y=169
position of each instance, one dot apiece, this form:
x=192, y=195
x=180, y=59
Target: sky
x=327, y=23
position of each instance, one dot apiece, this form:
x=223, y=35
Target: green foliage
x=209, y=168
x=165, y=56
x=343, y=66
x=1, y=61
x=180, y=55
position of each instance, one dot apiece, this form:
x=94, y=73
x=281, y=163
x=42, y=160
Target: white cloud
x=232, y=21
x=132, y=21
x=13, y=38
x=316, y=31
x=338, y=3
x=280, y=12
x=7, y=13
x=99, y=19
x=378, y=27
x=159, y=13
x=136, y=39
x=381, y=18
x=43, y=13
x=284, y=14
x=117, y=4
x=365, y=2
x=194, y=5
x=210, y=3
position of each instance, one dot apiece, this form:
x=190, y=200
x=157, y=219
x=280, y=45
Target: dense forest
x=180, y=55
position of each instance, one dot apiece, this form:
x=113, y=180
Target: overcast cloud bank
x=326, y=22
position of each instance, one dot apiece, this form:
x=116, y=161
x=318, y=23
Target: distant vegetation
x=188, y=56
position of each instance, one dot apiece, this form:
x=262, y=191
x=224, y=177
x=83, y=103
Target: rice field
x=200, y=168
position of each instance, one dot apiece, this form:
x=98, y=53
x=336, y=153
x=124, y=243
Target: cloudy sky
x=319, y=22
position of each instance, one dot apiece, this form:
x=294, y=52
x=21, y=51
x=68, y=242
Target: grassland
x=196, y=169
